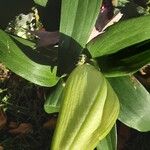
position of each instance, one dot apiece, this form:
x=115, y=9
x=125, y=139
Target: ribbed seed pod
x=88, y=111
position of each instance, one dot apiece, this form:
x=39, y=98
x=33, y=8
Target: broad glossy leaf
x=109, y=142
x=88, y=111
x=14, y=58
x=134, y=102
x=121, y=35
x=127, y=61
x=77, y=21
x=41, y=2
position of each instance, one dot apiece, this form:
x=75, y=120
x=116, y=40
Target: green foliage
x=109, y=142
x=88, y=110
x=88, y=106
x=134, y=102
x=77, y=21
x=120, y=36
x=122, y=3
x=52, y=103
x=16, y=60
x=125, y=62
x=41, y=2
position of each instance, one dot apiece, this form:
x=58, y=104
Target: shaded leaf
x=109, y=142
x=52, y=103
x=134, y=102
x=120, y=35
x=126, y=61
x=24, y=41
x=41, y=2
x=14, y=58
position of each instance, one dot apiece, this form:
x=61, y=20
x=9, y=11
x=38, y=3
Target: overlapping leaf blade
x=77, y=21
x=24, y=41
x=78, y=18
x=13, y=57
x=120, y=35
x=127, y=61
x=109, y=142
x=135, y=102
x=52, y=103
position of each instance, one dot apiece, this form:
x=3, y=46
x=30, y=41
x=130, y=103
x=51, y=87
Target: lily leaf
x=134, y=102
x=126, y=61
x=16, y=60
x=109, y=142
x=41, y=2
x=24, y=41
x=52, y=103
x=120, y=35
x=78, y=18
x=77, y=21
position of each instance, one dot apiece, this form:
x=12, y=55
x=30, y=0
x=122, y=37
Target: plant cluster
x=93, y=80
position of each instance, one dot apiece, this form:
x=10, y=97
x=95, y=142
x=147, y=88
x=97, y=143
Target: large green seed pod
x=88, y=110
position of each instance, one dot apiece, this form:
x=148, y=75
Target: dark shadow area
x=131, y=8
x=26, y=106
x=137, y=141
x=10, y=8
x=43, y=56
x=115, y=59
x=130, y=51
x=49, y=15
x=68, y=54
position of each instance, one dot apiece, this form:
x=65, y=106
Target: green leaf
x=52, y=103
x=41, y=2
x=134, y=102
x=109, y=142
x=127, y=61
x=121, y=35
x=88, y=111
x=15, y=59
x=77, y=21
x=24, y=41
x=78, y=18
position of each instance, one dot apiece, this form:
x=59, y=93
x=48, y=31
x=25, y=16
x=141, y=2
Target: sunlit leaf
x=120, y=35
x=16, y=60
x=134, y=102
x=77, y=21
